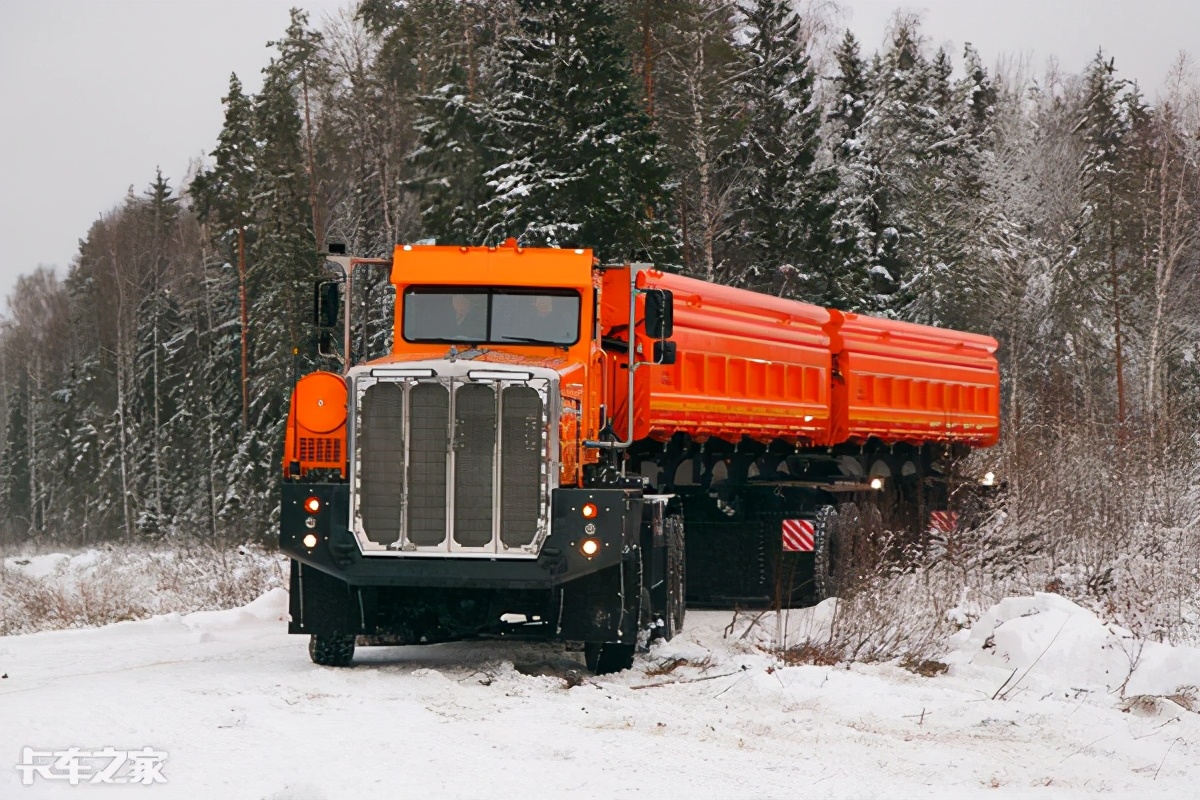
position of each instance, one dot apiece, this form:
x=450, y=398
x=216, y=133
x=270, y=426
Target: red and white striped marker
x=798, y=535
x=943, y=521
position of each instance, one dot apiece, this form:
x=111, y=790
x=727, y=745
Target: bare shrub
x=122, y=584
x=1110, y=526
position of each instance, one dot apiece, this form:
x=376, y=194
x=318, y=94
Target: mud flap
x=321, y=604
x=604, y=606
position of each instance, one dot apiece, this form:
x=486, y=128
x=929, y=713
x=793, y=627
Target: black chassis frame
x=337, y=591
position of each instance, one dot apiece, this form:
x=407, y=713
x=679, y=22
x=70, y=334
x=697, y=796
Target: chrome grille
x=520, y=481
x=381, y=492
x=429, y=437
x=452, y=466
x=474, y=456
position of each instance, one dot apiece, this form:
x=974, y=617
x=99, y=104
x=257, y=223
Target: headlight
x=310, y=541
x=589, y=547
x=876, y=483
x=589, y=511
x=312, y=505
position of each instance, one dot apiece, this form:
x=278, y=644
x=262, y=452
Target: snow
x=241, y=712
x=47, y=564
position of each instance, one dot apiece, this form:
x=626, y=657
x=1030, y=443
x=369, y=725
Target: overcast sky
x=94, y=94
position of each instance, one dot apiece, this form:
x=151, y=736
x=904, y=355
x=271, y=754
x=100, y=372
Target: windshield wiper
x=527, y=340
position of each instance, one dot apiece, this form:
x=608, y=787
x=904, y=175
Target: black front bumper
x=336, y=551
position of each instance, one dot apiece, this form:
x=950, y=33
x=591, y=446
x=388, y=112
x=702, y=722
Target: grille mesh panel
x=520, y=466
x=325, y=449
x=430, y=408
x=382, y=487
x=474, y=443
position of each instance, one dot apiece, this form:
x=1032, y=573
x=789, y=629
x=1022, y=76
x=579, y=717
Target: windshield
x=478, y=315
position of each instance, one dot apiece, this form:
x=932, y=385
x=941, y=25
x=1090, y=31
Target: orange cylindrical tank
x=316, y=430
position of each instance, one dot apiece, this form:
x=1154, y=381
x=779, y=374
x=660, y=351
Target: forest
x=143, y=393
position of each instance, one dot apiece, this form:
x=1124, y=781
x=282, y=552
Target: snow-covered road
x=242, y=713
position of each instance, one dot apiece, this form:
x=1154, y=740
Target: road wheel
x=604, y=658
x=676, y=575
x=826, y=546
x=331, y=651
x=670, y=597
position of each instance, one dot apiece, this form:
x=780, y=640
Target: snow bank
x=1057, y=646
x=53, y=591
x=715, y=713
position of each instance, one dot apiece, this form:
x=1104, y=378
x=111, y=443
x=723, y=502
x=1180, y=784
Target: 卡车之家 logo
x=75, y=766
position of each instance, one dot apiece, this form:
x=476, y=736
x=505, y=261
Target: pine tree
x=698, y=116
x=782, y=234
x=1112, y=107
x=856, y=224
x=224, y=195
x=578, y=161
x=281, y=277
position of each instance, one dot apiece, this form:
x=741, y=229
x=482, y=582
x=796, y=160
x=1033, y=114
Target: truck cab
x=453, y=495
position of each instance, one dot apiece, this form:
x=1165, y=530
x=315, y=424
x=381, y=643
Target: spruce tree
x=699, y=118
x=782, y=234
x=1112, y=108
x=578, y=163
x=157, y=322
x=953, y=272
x=855, y=224
x=851, y=93
x=283, y=270
x=453, y=156
x=224, y=196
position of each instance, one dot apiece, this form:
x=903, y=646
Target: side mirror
x=664, y=352
x=660, y=313
x=327, y=344
x=325, y=304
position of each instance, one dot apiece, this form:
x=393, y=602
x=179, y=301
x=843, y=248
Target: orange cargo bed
x=749, y=365
x=916, y=383
x=768, y=368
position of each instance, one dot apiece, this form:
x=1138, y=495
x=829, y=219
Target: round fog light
x=589, y=547
x=310, y=540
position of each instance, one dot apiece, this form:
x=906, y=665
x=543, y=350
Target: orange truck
x=552, y=445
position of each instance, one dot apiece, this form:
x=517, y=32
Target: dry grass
x=122, y=584
x=821, y=654
x=670, y=665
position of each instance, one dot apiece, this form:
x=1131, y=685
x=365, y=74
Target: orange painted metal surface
x=769, y=368
x=748, y=365
x=511, y=266
x=316, y=427
x=916, y=383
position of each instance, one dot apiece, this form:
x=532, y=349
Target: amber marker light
x=312, y=505
x=589, y=547
x=310, y=541
x=589, y=511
